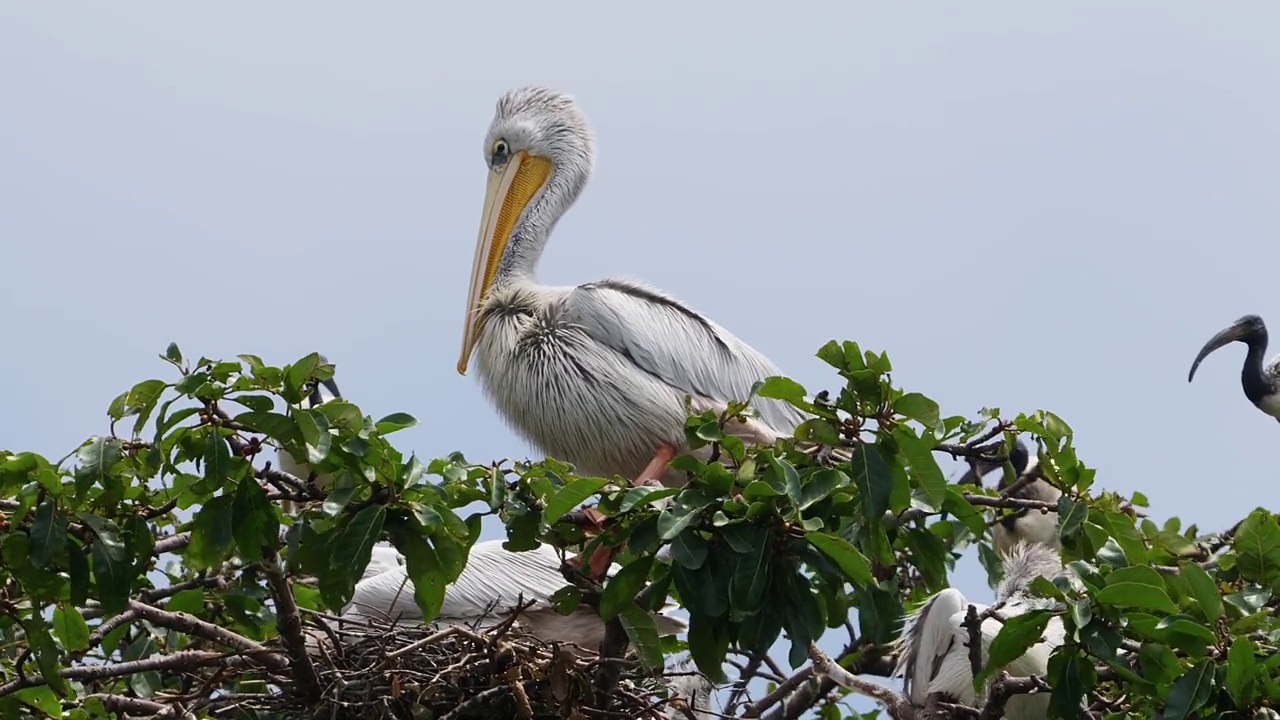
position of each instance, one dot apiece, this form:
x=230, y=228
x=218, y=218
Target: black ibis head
x=1249, y=330
x=979, y=467
x=324, y=391
x=1261, y=383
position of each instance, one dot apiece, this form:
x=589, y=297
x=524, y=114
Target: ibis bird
x=494, y=582
x=1261, y=381
x=594, y=374
x=323, y=392
x=1036, y=526
x=933, y=649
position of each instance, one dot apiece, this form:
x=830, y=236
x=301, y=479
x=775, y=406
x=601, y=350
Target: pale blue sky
x=1026, y=206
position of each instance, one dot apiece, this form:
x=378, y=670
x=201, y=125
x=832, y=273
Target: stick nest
x=376, y=669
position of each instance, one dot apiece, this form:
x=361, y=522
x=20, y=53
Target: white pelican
x=595, y=374
x=933, y=653
x=1024, y=524
x=490, y=586
x=1261, y=383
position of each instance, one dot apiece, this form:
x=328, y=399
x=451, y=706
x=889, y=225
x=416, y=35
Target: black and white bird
x=1035, y=526
x=933, y=652
x=1261, y=379
x=323, y=392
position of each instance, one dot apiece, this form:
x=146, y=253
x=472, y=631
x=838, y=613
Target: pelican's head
x=539, y=150
x=1248, y=329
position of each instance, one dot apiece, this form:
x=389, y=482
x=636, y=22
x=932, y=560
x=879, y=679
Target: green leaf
x=48, y=533
x=425, y=571
x=217, y=458
x=643, y=633
x=570, y=496
x=46, y=651
x=644, y=495
x=786, y=472
x=964, y=512
x=918, y=408
x=173, y=354
x=43, y=699
x=1016, y=636
x=689, y=549
x=1257, y=543
x=751, y=575
x=314, y=427
x=1242, y=671
x=355, y=546
x=1073, y=675
x=921, y=465
x=253, y=518
x=1132, y=594
x=280, y=428
x=874, y=481
x=211, y=533
x=78, y=563
x=1190, y=692
x=96, y=459
x=622, y=588
x=708, y=643
x=1141, y=574
x=395, y=422
x=111, y=570
x=853, y=563
x=187, y=601
x=1203, y=589
x=782, y=388
x=70, y=627
x=1071, y=513
x=674, y=520
x=819, y=485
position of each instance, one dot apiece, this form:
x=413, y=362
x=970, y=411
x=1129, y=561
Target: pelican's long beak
x=1236, y=332
x=510, y=189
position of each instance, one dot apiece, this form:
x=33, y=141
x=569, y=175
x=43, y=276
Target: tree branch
x=289, y=623
x=182, y=622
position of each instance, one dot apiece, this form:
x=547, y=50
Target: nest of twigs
x=370, y=668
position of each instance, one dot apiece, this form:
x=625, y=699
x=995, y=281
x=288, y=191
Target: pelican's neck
x=533, y=229
x=1254, y=378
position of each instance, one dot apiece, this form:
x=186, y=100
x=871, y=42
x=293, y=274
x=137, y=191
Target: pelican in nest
x=595, y=374
x=491, y=586
x=1261, y=382
x=933, y=652
x=1023, y=524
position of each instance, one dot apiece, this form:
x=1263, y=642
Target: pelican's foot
x=658, y=466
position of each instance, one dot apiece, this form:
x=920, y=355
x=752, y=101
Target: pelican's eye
x=501, y=152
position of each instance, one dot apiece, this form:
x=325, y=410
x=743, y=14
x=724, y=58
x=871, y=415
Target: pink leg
x=603, y=556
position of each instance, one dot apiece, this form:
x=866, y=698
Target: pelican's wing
x=495, y=580
x=673, y=343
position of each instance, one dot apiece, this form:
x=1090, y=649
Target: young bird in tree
x=1023, y=524
x=933, y=650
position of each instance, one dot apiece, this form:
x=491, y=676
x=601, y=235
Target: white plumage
x=933, y=653
x=595, y=374
x=492, y=584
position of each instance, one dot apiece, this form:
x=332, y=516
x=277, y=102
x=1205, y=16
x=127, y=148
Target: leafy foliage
x=842, y=528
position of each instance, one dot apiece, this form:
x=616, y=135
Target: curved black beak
x=1236, y=332
x=322, y=389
